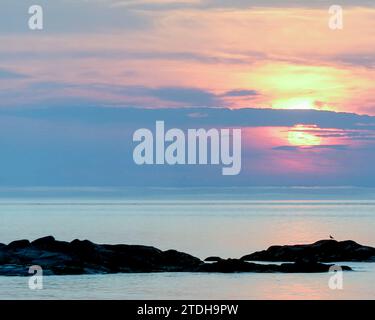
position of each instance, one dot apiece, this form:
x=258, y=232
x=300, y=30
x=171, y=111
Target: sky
x=72, y=94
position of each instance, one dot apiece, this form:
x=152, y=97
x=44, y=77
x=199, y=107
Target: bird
x=332, y=238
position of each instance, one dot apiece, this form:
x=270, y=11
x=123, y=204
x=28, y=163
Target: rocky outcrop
x=238, y=265
x=320, y=251
x=85, y=257
x=213, y=259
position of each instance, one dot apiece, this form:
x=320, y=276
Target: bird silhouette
x=332, y=238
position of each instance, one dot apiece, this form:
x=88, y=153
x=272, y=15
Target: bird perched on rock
x=332, y=238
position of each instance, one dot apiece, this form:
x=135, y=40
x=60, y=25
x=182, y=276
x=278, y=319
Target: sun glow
x=290, y=86
x=296, y=103
x=302, y=136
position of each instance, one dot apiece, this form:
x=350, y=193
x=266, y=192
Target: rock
x=308, y=267
x=18, y=244
x=84, y=245
x=237, y=265
x=213, y=259
x=41, y=242
x=85, y=257
x=179, y=261
x=49, y=243
x=13, y=270
x=320, y=251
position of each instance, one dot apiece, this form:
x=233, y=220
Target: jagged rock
x=320, y=251
x=85, y=257
x=213, y=259
x=19, y=244
x=41, y=242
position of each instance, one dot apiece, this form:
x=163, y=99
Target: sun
x=294, y=103
x=301, y=136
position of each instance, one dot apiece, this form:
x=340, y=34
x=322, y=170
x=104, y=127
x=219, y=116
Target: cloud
x=283, y=4
x=366, y=60
x=129, y=95
x=157, y=4
x=233, y=4
x=189, y=96
x=72, y=16
x=213, y=117
x=356, y=134
x=92, y=146
x=302, y=148
x=240, y=93
x=185, y=96
x=8, y=74
x=131, y=54
x=79, y=16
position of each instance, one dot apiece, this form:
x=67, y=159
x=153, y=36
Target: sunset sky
x=72, y=94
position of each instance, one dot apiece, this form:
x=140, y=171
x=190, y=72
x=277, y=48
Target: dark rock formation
x=213, y=259
x=85, y=257
x=321, y=251
x=237, y=265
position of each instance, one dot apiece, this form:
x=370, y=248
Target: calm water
x=202, y=228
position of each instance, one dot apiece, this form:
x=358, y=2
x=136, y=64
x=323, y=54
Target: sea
x=225, y=222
